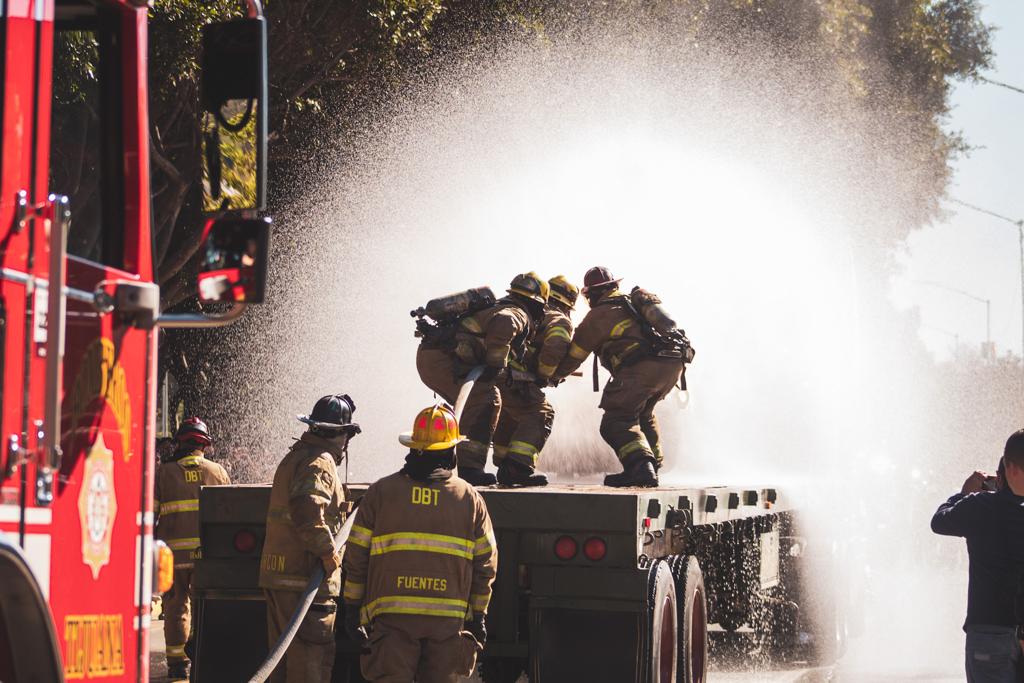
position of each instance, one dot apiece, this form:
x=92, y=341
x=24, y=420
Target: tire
x=692, y=617
x=501, y=669
x=662, y=637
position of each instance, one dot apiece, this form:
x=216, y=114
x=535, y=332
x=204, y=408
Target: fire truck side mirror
x=233, y=266
x=234, y=115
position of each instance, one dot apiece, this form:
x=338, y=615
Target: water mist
x=737, y=187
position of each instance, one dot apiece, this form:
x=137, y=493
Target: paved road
x=844, y=672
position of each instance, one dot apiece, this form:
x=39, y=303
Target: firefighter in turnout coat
x=307, y=509
x=419, y=564
x=176, y=495
x=489, y=338
x=524, y=424
x=640, y=377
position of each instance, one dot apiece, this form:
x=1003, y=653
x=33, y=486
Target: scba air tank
x=458, y=304
x=649, y=306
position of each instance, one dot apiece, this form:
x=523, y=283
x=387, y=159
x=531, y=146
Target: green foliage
x=897, y=56
x=78, y=54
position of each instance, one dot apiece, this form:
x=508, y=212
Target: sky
x=967, y=251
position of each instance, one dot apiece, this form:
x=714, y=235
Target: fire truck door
x=24, y=111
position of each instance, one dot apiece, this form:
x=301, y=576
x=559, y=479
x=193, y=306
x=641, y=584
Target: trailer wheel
x=662, y=634
x=692, y=617
x=501, y=669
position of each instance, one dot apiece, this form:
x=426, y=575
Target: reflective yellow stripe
x=483, y=545
x=560, y=332
x=183, y=543
x=616, y=360
x=621, y=327
x=472, y=325
x=309, y=487
x=360, y=535
x=479, y=603
x=418, y=542
x=632, y=447
x=289, y=581
x=175, y=651
x=525, y=449
x=280, y=514
x=546, y=370
x=474, y=447
x=172, y=506
x=353, y=590
x=407, y=604
x=189, y=460
x=578, y=352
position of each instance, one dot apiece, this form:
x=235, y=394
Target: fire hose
x=310, y=591
x=308, y=594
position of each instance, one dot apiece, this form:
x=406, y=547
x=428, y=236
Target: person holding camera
x=989, y=513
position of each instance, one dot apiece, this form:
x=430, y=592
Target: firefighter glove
x=355, y=631
x=331, y=562
x=478, y=627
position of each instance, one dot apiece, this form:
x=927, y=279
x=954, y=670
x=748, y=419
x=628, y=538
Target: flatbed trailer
x=594, y=583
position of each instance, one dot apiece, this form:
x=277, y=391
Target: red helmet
x=598, y=276
x=193, y=431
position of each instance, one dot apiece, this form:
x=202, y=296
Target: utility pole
x=1019, y=224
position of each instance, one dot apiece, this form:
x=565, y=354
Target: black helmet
x=193, y=431
x=333, y=413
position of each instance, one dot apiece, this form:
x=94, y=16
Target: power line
x=1000, y=216
x=1001, y=85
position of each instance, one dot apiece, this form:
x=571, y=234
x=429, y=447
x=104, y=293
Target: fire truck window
x=86, y=144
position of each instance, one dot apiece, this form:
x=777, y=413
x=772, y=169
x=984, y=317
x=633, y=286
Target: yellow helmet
x=531, y=286
x=435, y=429
x=563, y=290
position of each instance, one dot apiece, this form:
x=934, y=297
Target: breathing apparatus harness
x=667, y=343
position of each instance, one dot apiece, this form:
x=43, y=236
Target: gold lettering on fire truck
x=93, y=645
x=101, y=377
x=97, y=506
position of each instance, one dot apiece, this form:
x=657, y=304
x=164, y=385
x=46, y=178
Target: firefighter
x=307, y=509
x=488, y=338
x=176, y=494
x=419, y=564
x=524, y=423
x=640, y=379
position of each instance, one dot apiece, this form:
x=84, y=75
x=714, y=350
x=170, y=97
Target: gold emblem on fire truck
x=97, y=506
x=101, y=377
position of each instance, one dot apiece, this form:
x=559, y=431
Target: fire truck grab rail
x=17, y=276
x=178, y=320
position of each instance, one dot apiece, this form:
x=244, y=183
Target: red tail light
x=565, y=547
x=595, y=549
x=245, y=541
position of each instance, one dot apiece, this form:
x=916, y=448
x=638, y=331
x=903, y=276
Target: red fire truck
x=79, y=312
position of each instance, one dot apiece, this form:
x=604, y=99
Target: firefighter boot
x=637, y=471
x=512, y=473
x=177, y=671
x=476, y=476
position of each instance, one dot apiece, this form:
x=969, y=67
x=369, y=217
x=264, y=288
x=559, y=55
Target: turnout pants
x=524, y=424
x=310, y=656
x=404, y=648
x=629, y=425
x=440, y=372
x=177, y=606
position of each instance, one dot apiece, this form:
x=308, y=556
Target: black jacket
x=993, y=524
